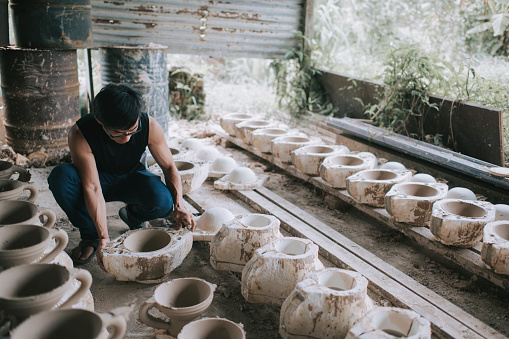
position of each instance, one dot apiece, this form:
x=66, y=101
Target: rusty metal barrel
x=63, y=24
x=144, y=68
x=41, y=96
x=4, y=23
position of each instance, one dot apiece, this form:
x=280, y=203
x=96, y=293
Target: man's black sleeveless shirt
x=110, y=156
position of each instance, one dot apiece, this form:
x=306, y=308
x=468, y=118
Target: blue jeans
x=146, y=196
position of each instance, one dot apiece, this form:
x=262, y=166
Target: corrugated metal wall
x=237, y=28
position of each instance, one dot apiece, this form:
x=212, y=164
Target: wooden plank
x=468, y=259
x=448, y=321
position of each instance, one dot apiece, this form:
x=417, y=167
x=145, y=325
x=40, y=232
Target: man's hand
x=183, y=218
x=102, y=244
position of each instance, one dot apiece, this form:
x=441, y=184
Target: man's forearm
x=174, y=184
x=96, y=207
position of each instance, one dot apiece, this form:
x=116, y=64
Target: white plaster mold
x=182, y=300
x=222, y=166
x=207, y=153
x=424, y=178
x=460, y=223
x=308, y=159
x=283, y=147
x=370, y=186
x=146, y=255
x=192, y=144
x=501, y=212
x=235, y=243
x=495, y=246
x=393, y=165
x=391, y=322
x=335, y=169
x=229, y=121
x=325, y=305
x=245, y=128
x=212, y=328
x=461, y=193
x=262, y=137
x=274, y=270
x=210, y=222
x=192, y=174
x=412, y=202
x=241, y=178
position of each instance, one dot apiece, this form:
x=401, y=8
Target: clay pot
x=210, y=222
x=370, y=186
x=283, y=147
x=212, y=328
x=460, y=223
x=235, y=243
x=23, y=244
x=411, y=202
x=12, y=189
x=182, y=300
x=495, y=246
x=274, y=270
x=326, y=305
x=32, y=288
x=83, y=324
x=229, y=121
x=245, y=128
x=262, y=137
x=146, y=255
x=7, y=170
x=308, y=159
x=335, y=169
x=24, y=212
x=391, y=322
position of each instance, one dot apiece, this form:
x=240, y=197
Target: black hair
x=118, y=106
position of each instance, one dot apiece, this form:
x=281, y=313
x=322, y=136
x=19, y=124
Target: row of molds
x=308, y=159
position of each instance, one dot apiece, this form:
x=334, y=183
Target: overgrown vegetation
x=187, y=97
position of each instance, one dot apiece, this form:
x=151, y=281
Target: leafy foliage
x=187, y=98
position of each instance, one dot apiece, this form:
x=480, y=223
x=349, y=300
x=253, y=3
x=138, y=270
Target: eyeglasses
x=125, y=134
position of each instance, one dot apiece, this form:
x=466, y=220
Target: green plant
x=297, y=87
x=187, y=98
x=495, y=20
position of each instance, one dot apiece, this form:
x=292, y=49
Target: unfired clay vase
x=12, y=190
x=240, y=178
x=335, y=169
x=283, y=147
x=146, y=255
x=235, y=243
x=370, y=186
x=16, y=212
x=245, y=128
x=207, y=153
x=411, y=202
x=212, y=328
x=501, y=212
x=274, y=270
x=32, y=288
x=83, y=324
x=7, y=170
x=222, y=166
x=24, y=244
x=461, y=193
x=308, y=159
x=182, y=300
x=495, y=246
x=229, y=121
x=262, y=137
x=325, y=305
x=210, y=222
x=460, y=223
x=391, y=322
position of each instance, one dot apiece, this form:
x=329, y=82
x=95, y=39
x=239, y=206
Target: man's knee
x=62, y=175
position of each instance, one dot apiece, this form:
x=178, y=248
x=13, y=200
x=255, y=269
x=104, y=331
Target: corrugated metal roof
x=240, y=28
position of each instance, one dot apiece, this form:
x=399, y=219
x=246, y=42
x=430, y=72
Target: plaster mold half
x=335, y=169
x=495, y=246
x=391, y=322
x=325, y=305
x=182, y=300
x=501, y=212
x=424, y=178
x=245, y=128
x=192, y=144
x=146, y=255
x=393, y=165
x=308, y=159
x=210, y=222
x=461, y=193
x=460, y=223
x=16, y=212
x=412, y=202
x=212, y=328
x=241, y=178
x=261, y=138
x=370, y=186
x=222, y=166
x=192, y=174
x=235, y=243
x=274, y=270
x=207, y=153
x=67, y=323
x=229, y=121
x=283, y=147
